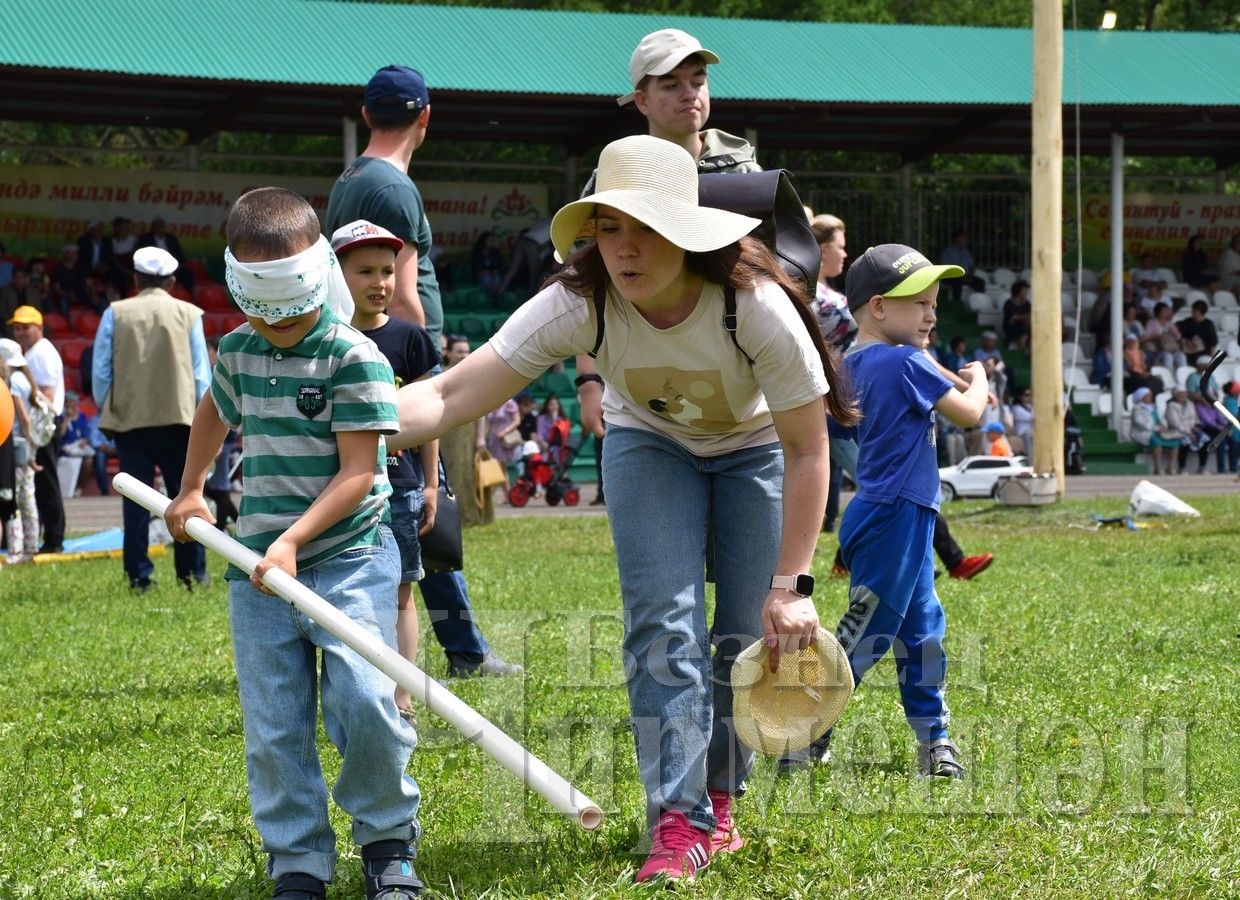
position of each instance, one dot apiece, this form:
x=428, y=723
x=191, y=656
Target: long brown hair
x=741, y=265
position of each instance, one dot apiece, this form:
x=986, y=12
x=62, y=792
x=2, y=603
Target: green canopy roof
x=298, y=65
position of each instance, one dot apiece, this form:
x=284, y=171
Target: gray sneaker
x=491, y=665
x=939, y=759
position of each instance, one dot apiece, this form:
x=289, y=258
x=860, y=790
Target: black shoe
x=388, y=869
x=189, y=582
x=459, y=666
x=817, y=753
x=598, y=501
x=299, y=886
x=59, y=548
x=141, y=585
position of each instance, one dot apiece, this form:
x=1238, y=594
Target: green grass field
x=1093, y=688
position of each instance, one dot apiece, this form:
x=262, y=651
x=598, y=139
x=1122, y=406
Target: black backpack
x=768, y=196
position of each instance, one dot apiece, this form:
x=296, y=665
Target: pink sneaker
x=679, y=850
x=726, y=838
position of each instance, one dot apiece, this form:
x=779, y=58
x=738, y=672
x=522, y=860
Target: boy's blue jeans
x=663, y=501
x=893, y=606
x=277, y=657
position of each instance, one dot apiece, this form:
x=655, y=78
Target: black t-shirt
x=528, y=426
x=412, y=353
x=1191, y=328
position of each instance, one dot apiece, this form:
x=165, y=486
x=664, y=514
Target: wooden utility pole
x=1047, y=205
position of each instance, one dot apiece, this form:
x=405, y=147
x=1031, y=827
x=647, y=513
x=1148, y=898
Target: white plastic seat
x=983, y=275
x=1004, y=278
x=1233, y=350
x=1089, y=278
x=1224, y=300
x=1194, y=295
x=1102, y=404
x=1164, y=374
x=1182, y=373
x=1075, y=377
x=980, y=302
x=1160, y=401
x=1026, y=275
x=1228, y=324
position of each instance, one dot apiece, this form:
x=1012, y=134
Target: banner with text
x=1160, y=224
x=44, y=207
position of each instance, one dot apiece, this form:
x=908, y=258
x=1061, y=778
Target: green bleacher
x=470, y=311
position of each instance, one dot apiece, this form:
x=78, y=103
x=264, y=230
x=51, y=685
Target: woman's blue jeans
x=663, y=501
x=277, y=655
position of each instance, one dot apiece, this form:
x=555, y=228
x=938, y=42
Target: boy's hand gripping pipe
x=516, y=759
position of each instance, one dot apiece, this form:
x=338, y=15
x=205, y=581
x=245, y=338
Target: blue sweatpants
x=892, y=605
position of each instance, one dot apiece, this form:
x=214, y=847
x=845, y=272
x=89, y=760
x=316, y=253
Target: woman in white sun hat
x=713, y=433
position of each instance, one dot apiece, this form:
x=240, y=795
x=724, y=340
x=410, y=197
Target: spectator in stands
x=94, y=252
x=47, y=373
x=503, y=436
x=67, y=284
x=1162, y=341
x=1229, y=265
x=443, y=271
x=1181, y=416
x=150, y=417
x=76, y=459
x=957, y=353
x=488, y=263
x=1136, y=372
x=531, y=256
x=529, y=419
x=1017, y=316
x=1197, y=332
x=1100, y=370
x=1232, y=403
x=957, y=253
x=996, y=440
x=1212, y=421
x=549, y=418
x=989, y=355
x=1151, y=432
x=1195, y=268
x=6, y=267
x=459, y=446
x=121, y=245
x=1146, y=275
x=19, y=292
x=39, y=282
x=160, y=237
x=1131, y=326
x=1022, y=419
x=104, y=451
x=935, y=348
x=1155, y=293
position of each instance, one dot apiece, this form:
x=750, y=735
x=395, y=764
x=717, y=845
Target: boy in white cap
x=148, y=372
x=367, y=255
x=316, y=398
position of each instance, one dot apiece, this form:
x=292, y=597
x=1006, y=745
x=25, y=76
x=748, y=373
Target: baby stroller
x=562, y=449
x=535, y=473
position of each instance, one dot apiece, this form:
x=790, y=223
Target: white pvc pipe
x=460, y=715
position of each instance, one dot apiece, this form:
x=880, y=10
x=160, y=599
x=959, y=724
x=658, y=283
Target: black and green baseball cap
x=892, y=270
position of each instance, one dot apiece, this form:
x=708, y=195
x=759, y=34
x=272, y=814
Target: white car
x=978, y=476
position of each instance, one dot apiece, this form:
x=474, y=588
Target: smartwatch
x=583, y=379
x=798, y=584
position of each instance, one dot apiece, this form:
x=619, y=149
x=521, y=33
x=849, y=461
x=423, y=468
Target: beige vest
x=152, y=367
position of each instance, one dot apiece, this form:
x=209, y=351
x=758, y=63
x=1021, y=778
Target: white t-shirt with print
x=689, y=381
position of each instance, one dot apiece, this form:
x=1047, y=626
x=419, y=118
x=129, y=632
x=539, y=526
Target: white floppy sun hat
x=787, y=711
x=655, y=182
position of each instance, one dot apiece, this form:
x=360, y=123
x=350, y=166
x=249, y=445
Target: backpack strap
x=600, y=303
x=729, y=318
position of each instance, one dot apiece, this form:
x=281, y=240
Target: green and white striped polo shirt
x=289, y=402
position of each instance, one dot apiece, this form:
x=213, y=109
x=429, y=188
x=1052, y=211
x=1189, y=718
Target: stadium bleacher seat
x=57, y=327
x=212, y=296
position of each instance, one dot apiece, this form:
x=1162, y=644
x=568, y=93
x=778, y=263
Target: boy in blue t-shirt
x=887, y=532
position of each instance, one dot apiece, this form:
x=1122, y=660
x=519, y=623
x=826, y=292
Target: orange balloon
x=6, y=412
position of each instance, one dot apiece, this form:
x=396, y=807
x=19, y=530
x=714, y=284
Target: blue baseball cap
x=993, y=428
x=395, y=89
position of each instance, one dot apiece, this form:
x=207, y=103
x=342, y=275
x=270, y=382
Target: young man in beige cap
x=670, y=88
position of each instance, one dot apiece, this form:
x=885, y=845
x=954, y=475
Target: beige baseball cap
x=659, y=52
